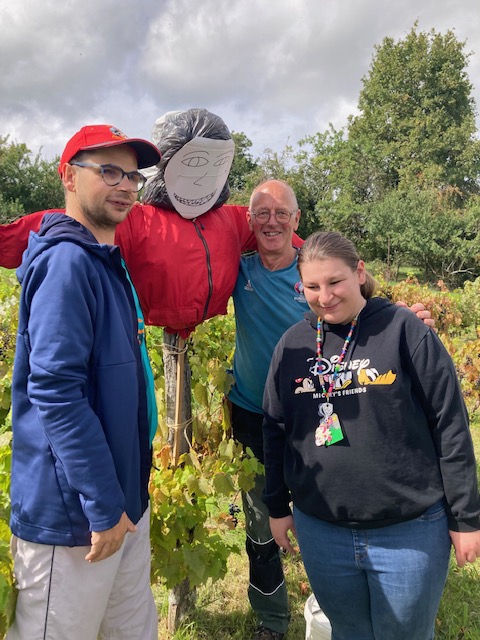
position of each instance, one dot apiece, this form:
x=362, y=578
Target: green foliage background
x=189, y=517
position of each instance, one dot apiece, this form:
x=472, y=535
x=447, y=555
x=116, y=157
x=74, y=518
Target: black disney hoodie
x=406, y=441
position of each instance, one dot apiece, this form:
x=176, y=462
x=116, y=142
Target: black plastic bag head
x=170, y=133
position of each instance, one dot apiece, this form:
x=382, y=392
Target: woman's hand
x=467, y=546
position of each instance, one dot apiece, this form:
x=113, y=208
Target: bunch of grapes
x=233, y=510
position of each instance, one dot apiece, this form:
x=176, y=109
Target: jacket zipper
x=209, y=267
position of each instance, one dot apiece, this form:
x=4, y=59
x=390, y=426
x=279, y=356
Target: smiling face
x=196, y=174
x=332, y=289
x=91, y=201
x=274, y=238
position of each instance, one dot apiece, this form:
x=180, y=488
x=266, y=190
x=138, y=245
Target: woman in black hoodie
x=366, y=431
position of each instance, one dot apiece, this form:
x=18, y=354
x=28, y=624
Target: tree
x=402, y=178
x=316, y=178
x=242, y=167
x=425, y=229
x=417, y=118
x=246, y=174
x=27, y=183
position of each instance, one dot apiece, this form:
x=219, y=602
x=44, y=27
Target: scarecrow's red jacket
x=184, y=270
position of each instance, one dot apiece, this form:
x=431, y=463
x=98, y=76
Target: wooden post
x=179, y=420
x=179, y=433
x=178, y=393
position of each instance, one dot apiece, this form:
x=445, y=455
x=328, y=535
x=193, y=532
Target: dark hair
x=86, y=155
x=80, y=156
x=330, y=244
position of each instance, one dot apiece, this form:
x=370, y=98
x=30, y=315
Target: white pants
x=63, y=597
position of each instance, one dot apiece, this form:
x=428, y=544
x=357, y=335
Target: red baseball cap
x=99, y=136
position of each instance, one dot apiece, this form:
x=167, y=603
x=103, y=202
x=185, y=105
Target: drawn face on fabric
x=196, y=174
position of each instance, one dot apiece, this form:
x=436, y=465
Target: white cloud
x=276, y=70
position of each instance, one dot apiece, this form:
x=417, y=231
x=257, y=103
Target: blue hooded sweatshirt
x=81, y=447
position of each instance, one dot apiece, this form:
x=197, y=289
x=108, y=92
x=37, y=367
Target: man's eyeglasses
x=281, y=216
x=113, y=175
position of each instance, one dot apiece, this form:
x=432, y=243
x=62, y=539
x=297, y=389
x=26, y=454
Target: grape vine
x=194, y=505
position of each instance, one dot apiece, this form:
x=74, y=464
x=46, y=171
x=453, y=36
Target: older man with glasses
x=268, y=300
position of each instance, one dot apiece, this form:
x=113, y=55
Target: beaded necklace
x=337, y=367
x=329, y=430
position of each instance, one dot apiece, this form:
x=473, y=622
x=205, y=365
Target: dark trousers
x=267, y=591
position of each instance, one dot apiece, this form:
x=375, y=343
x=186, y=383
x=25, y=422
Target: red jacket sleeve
x=297, y=241
x=14, y=238
x=238, y=216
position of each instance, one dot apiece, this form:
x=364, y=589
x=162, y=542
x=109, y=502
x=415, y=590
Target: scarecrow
x=182, y=245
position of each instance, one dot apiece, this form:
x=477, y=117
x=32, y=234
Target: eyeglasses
x=113, y=175
x=281, y=216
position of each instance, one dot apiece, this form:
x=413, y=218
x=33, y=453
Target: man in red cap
x=83, y=411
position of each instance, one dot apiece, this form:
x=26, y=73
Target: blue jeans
x=378, y=584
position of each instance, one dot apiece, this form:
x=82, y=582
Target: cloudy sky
x=275, y=69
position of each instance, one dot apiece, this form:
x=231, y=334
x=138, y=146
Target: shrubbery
x=188, y=523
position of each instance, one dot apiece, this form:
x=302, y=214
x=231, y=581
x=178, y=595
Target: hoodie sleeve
x=62, y=290
x=438, y=388
x=276, y=494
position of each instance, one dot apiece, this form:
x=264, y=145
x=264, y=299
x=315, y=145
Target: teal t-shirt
x=147, y=369
x=267, y=303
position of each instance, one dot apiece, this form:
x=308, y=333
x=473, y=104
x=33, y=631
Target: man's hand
x=419, y=310
x=106, y=543
x=280, y=528
x=467, y=546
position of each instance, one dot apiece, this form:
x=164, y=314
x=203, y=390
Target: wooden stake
x=179, y=413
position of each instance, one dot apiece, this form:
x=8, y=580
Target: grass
x=222, y=611
x=459, y=614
